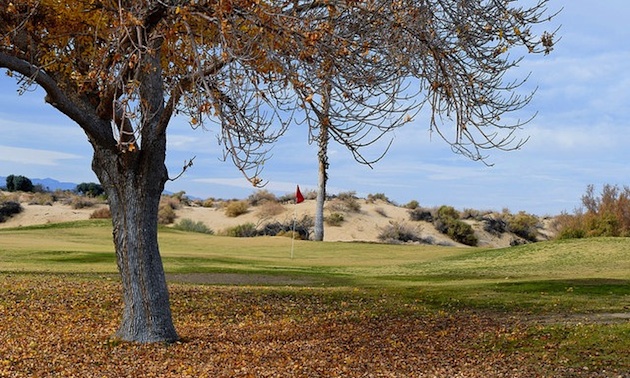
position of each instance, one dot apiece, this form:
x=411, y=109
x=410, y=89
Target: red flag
x=298, y=195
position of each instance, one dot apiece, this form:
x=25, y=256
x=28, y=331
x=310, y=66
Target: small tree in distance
x=19, y=184
x=91, y=189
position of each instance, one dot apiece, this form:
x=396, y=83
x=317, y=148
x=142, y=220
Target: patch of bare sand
x=44, y=214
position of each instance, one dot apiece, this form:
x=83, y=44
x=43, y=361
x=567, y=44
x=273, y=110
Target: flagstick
x=293, y=231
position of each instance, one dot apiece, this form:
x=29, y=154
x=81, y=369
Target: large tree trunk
x=134, y=182
x=322, y=157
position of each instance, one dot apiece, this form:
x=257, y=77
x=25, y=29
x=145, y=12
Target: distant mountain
x=47, y=183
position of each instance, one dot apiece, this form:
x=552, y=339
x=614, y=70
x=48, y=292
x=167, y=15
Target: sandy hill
x=365, y=225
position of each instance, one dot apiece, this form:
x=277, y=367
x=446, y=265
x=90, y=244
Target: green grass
x=555, y=279
x=587, y=275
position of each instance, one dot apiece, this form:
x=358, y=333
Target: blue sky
x=580, y=136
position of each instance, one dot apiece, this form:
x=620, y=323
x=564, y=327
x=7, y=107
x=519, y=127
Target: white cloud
x=20, y=155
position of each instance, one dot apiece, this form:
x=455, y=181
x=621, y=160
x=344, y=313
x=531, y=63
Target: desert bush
x=569, y=226
x=39, y=198
x=102, y=213
x=235, y=208
x=399, y=232
x=260, y=197
x=603, y=214
x=166, y=213
x=334, y=219
x=444, y=212
x=191, y=226
x=345, y=202
x=447, y=222
x=270, y=209
x=8, y=209
x=10, y=197
x=412, y=205
x=245, y=230
x=301, y=227
x=208, y=202
x=494, y=224
x=371, y=198
x=474, y=214
x=523, y=225
x=79, y=202
x=421, y=214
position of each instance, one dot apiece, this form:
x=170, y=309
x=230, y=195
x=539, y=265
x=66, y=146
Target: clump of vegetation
x=399, y=232
x=606, y=214
x=299, y=229
x=208, y=202
x=523, y=225
x=235, y=208
x=270, y=209
x=8, y=209
x=261, y=197
x=166, y=211
x=79, y=202
x=90, y=189
x=39, y=198
x=494, y=224
x=413, y=204
x=334, y=219
x=421, y=214
x=245, y=230
x=191, y=226
x=102, y=213
x=19, y=184
x=447, y=222
x=371, y=198
x=346, y=202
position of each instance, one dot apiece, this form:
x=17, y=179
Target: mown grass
x=521, y=285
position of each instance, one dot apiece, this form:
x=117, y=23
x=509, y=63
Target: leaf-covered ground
x=56, y=326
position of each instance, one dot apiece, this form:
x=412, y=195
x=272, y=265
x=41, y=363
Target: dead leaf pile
x=56, y=326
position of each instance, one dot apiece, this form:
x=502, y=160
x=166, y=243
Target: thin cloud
x=32, y=156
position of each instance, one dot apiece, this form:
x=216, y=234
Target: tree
x=91, y=189
x=19, y=184
x=450, y=55
x=122, y=69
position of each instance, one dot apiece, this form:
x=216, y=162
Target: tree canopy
x=121, y=69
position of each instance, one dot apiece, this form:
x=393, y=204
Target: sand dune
x=365, y=225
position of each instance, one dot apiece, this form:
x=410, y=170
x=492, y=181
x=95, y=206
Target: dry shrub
x=208, y=202
x=260, y=197
x=270, y=209
x=8, y=209
x=400, y=232
x=102, y=213
x=606, y=214
x=9, y=197
x=413, y=204
x=79, y=202
x=166, y=214
x=334, y=219
x=235, y=208
x=345, y=202
x=246, y=230
x=45, y=199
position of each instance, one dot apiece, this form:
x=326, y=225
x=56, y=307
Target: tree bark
x=134, y=182
x=322, y=157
